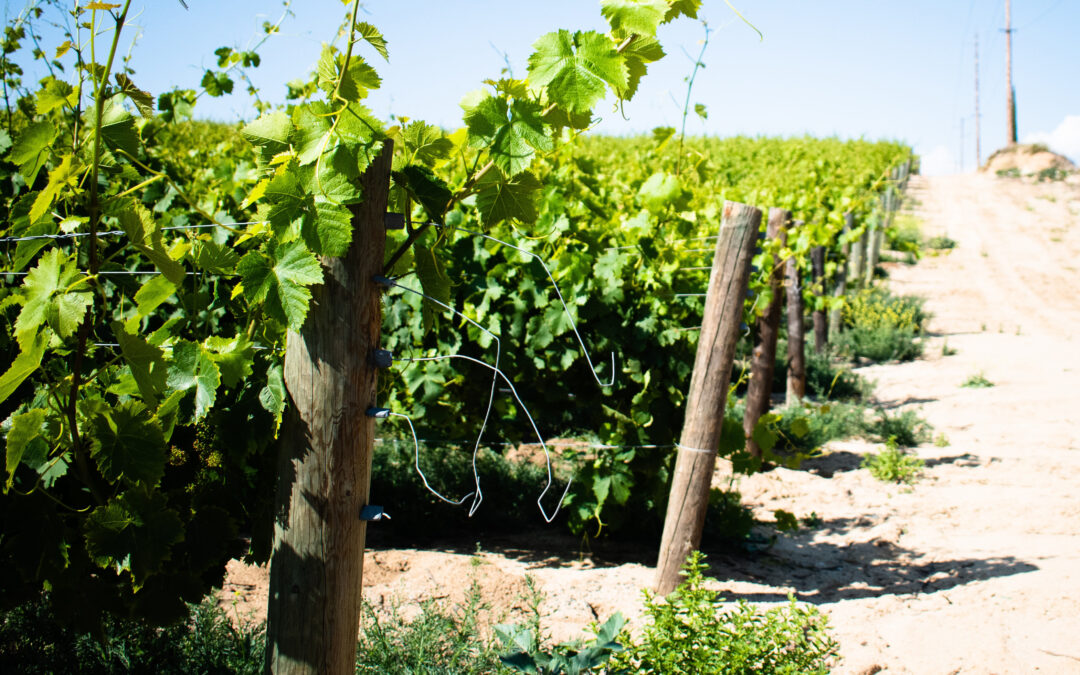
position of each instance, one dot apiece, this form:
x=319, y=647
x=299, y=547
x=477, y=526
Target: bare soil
x=974, y=569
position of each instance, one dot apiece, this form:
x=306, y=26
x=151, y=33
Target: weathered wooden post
x=840, y=287
x=857, y=261
x=706, y=401
x=821, y=322
x=796, y=339
x=763, y=360
x=325, y=454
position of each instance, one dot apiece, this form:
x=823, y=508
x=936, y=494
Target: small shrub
x=882, y=327
x=906, y=429
x=805, y=428
x=977, y=381
x=728, y=522
x=905, y=235
x=828, y=380
x=694, y=631
x=940, y=243
x=893, y=465
x=440, y=640
x=941, y=440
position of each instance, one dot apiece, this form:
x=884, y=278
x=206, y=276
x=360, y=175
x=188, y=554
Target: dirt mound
x=1027, y=160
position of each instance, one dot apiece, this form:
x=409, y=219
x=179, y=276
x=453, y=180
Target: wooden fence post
x=857, y=262
x=840, y=287
x=796, y=338
x=707, y=398
x=763, y=360
x=325, y=454
x=821, y=322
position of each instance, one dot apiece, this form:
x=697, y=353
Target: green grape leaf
x=659, y=191
x=145, y=234
x=128, y=444
x=193, y=368
x=151, y=294
x=701, y=111
x=433, y=281
x=118, y=129
x=24, y=365
x=54, y=94
x=500, y=199
x=765, y=437
x=638, y=54
x=359, y=80
x=24, y=429
x=135, y=531
x=31, y=149
x=641, y=17
x=279, y=281
x=312, y=136
x=269, y=134
x=425, y=143
x=233, y=356
x=373, y=37
x=800, y=427
x=687, y=8
x=511, y=132
x=272, y=396
x=216, y=83
x=425, y=187
x=213, y=257
x=328, y=231
x=109, y=532
x=143, y=100
x=54, y=293
x=146, y=361
x=576, y=68
x=287, y=200
x=65, y=174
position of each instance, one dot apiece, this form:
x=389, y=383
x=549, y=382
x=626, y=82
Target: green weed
x=893, y=465
x=882, y=327
x=977, y=381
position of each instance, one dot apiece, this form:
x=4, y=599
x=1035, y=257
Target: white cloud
x=1064, y=140
x=937, y=162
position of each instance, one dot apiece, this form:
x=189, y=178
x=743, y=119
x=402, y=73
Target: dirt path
x=976, y=569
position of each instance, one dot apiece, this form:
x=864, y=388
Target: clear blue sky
x=898, y=69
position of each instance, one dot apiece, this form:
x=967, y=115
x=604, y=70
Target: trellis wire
x=416, y=455
x=107, y=233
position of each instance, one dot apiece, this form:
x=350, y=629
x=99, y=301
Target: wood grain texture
x=767, y=330
x=821, y=322
x=839, y=290
x=796, y=329
x=707, y=398
x=325, y=454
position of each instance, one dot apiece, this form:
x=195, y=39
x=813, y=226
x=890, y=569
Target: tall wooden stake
x=705, y=403
x=840, y=287
x=821, y=322
x=763, y=360
x=1010, y=91
x=796, y=330
x=325, y=456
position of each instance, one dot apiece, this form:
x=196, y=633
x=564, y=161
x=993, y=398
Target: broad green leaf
x=312, y=136
x=373, y=37
x=233, y=357
x=135, y=531
x=600, y=487
x=145, y=235
x=500, y=199
x=279, y=281
x=359, y=80
x=109, y=532
x=701, y=111
x=143, y=100
x=152, y=293
x=638, y=54
x=55, y=294
x=270, y=130
x=425, y=143
x=118, y=129
x=192, y=367
x=287, y=200
x=634, y=16
x=576, y=68
x=128, y=444
x=24, y=429
x=433, y=281
x=215, y=258
x=328, y=231
x=216, y=83
x=512, y=132
x=146, y=361
x=24, y=365
x=31, y=149
x=54, y=94
x=272, y=396
x=425, y=187
x=800, y=427
x=66, y=174
x=687, y=8
x=659, y=191
x=765, y=437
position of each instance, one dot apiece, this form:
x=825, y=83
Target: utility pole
x=1011, y=91
x=978, y=137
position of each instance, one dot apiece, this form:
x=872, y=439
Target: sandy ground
x=976, y=569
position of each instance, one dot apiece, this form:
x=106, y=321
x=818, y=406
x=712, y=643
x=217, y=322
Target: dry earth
x=974, y=570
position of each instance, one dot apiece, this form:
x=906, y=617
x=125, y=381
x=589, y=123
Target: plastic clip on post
x=394, y=221
x=382, y=358
x=373, y=513
x=378, y=413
